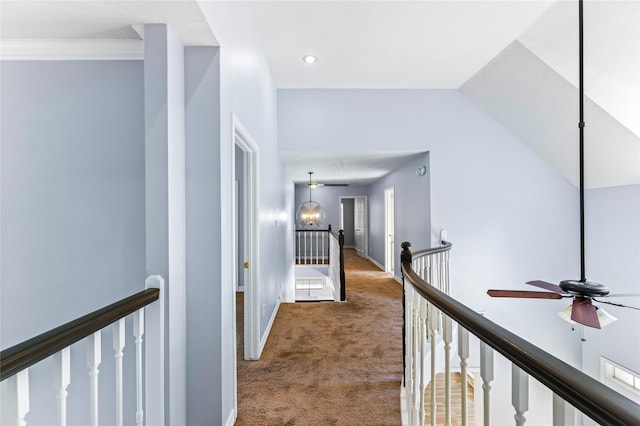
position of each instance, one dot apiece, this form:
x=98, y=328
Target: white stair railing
x=54, y=346
x=426, y=287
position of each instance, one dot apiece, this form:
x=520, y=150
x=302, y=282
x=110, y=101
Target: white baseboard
x=372, y=260
x=231, y=420
x=265, y=336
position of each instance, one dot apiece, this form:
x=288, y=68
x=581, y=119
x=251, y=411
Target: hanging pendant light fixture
x=310, y=214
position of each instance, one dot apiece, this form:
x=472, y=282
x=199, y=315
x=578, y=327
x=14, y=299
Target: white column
x=433, y=324
x=519, y=393
x=94, y=357
x=154, y=354
x=563, y=414
x=463, y=353
x=447, y=338
x=486, y=371
x=165, y=198
x=118, y=347
x=61, y=379
x=138, y=333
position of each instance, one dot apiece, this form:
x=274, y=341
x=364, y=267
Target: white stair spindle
x=447, y=338
x=486, y=371
x=463, y=353
x=93, y=362
x=15, y=398
x=138, y=333
x=61, y=380
x=563, y=414
x=433, y=324
x=519, y=393
x=154, y=354
x=118, y=346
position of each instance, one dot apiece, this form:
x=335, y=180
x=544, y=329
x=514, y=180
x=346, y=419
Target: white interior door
x=360, y=225
x=389, y=209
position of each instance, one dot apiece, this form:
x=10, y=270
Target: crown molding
x=71, y=49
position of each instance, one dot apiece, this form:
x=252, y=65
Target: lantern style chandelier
x=310, y=214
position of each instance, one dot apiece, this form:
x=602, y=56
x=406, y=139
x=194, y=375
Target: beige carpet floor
x=329, y=363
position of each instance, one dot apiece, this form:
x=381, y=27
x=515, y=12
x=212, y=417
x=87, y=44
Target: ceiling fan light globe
x=565, y=314
x=604, y=317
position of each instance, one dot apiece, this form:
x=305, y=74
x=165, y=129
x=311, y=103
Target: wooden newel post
x=343, y=281
x=406, y=252
x=404, y=255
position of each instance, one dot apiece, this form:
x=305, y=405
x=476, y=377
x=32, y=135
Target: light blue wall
x=248, y=92
x=204, y=351
x=73, y=215
x=510, y=216
x=329, y=198
x=412, y=210
x=612, y=220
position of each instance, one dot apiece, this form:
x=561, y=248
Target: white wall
x=510, y=216
x=613, y=258
x=73, y=212
x=247, y=91
x=412, y=218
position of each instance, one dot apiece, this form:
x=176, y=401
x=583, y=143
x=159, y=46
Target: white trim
x=265, y=336
x=366, y=220
x=72, y=49
x=389, y=231
x=243, y=139
x=231, y=420
x=375, y=262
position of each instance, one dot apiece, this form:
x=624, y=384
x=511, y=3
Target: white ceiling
x=44, y=29
x=388, y=44
x=352, y=168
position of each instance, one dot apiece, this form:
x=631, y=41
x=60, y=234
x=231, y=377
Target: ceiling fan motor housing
x=584, y=288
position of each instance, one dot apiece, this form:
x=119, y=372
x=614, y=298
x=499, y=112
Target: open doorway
x=389, y=237
x=353, y=213
x=246, y=239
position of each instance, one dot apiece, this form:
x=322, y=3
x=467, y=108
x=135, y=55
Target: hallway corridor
x=329, y=363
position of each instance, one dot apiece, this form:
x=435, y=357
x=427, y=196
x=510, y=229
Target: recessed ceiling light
x=309, y=59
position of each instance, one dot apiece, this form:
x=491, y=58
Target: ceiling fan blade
x=522, y=294
x=623, y=295
x=547, y=286
x=584, y=312
x=334, y=184
x=617, y=304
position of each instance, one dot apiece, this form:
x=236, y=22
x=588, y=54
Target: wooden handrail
x=588, y=395
x=25, y=354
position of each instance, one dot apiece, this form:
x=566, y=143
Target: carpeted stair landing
x=329, y=363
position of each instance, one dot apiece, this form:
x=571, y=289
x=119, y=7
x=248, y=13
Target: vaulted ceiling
x=516, y=59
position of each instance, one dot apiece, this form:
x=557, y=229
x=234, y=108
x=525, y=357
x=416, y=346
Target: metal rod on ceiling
x=581, y=126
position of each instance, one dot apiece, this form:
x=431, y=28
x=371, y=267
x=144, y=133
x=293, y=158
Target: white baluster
x=94, y=348
x=433, y=324
x=15, y=398
x=61, y=379
x=486, y=371
x=154, y=354
x=563, y=414
x=463, y=353
x=138, y=333
x=519, y=393
x=447, y=337
x=118, y=346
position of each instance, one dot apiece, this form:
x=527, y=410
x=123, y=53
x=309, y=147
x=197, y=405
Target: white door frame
x=389, y=229
x=366, y=219
x=242, y=139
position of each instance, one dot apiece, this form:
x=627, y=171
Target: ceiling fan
x=582, y=291
x=315, y=184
